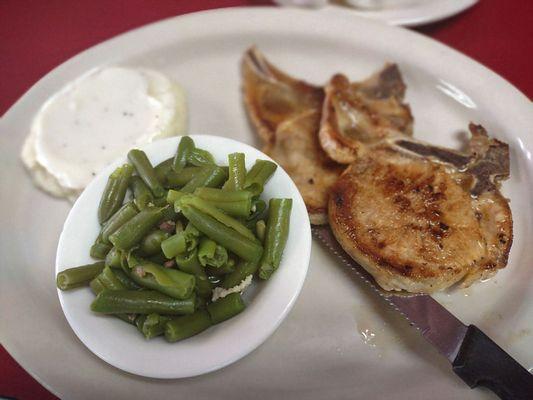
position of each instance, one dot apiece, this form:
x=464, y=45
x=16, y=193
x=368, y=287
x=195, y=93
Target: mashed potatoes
x=96, y=119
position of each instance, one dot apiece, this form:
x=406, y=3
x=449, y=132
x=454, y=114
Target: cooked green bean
x=226, y=268
x=200, y=157
x=112, y=259
x=145, y=170
x=178, y=179
x=159, y=258
x=226, y=307
x=133, y=231
x=173, y=196
x=184, y=327
x=142, y=195
x=174, y=245
x=99, y=250
x=242, y=270
x=141, y=302
x=237, y=172
x=277, y=232
x=123, y=215
x=151, y=325
x=211, y=254
x=78, y=276
x=114, y=192
x=169, y=281
x=260, y=173
x=185, y=147
x=260, y=230
x=151, y=243
x=125, y=280
x=228, y=237
x=209, y=176
x=208, y=209
x=237, y=203
x=189, y=263
x=163, y=169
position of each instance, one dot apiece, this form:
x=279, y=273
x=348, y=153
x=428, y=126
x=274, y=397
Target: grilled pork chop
x=421, y=218
x=361, y=114
x=286, y=114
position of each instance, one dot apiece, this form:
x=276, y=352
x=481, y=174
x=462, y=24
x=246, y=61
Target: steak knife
x=475, y=358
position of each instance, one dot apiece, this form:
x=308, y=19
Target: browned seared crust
x=297, y=150
x=419, y=225
x=271, y=96
x=358, y=115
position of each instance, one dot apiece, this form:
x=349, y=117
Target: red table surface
x=37, y=36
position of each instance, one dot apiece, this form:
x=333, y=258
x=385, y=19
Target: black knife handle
x=482, y=362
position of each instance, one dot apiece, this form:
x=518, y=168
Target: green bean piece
x=141, y=302
x=227, y=237
x=125, y=280
x=190, y=264
x=172, y=282
x=209, y=176
x=151, y=325
x=78, y=276
x=114, y=192
x=142, y=195
x=151, y=243
x=199, y=157
x=260, y=230
x=178, y=179
x=258, y=211
x=225, y=269
x=192, y=236
x=123, y=215
x=99, y=250
x=106, y=280
x=173, y=196
x=226, y=308
x=112, y=260
x=185, y=147
x=174, y=245
x=145, y=170
x=260, y=173
x=158, y=258
x=169, y=214
x=133, y=231
x=208, y=209
x=277, y=232
x=237, y=172
x=184, y=327
x=236, y=203
x=163, y=169
x=211, y=254
x=242, y=270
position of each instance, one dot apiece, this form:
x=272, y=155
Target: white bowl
x=268, y=303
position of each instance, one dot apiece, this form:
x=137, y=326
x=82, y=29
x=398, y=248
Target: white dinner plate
x=121, y=345
x=395, y=12
x=318, y=351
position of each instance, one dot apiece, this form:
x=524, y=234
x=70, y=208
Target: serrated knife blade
x=474, y=356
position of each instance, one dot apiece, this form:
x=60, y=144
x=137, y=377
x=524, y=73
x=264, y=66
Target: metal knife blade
x=440, y=327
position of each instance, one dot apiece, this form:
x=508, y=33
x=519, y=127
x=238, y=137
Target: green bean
x=151, y=243
x=145, y=170
x=236, y=203
x=277, y=232
x=208, y=209
x=123, y=215
x=260, y=229
x=258, y=213
x=169, y=214
x=209, y=176
x=192, y=236
x=237, y=172
x=199, y=157
x=226, y=268
x=172, y=282
x=187, y=326
x=163, y=169
x=177, y=179
x=142, y=196
x=211, y=254
x=125, y=280
x=99, y=250
x=112, y=259
x=190, y=264
x=173, y=196
x=133, y=231
x=78, y=276
x=185, y=147
x=141, y=302
x=242, y=270
x=226, y=307
x=151, y=325
x=174, y=245
x=258, y=175
x=114, y=192
x=158, y=258
x=227, y=237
